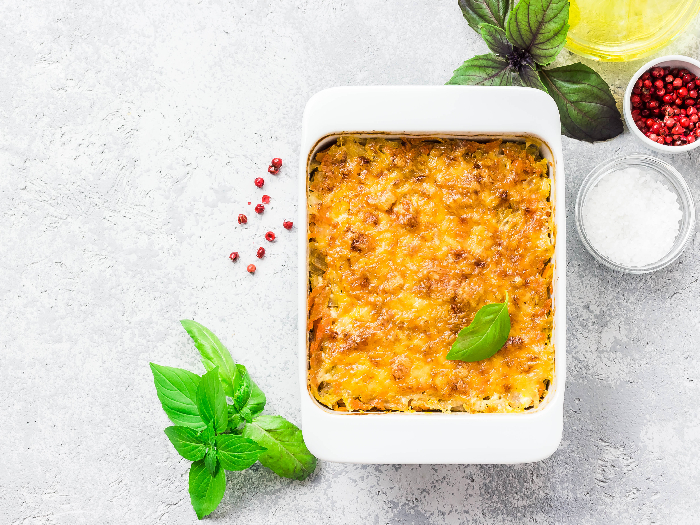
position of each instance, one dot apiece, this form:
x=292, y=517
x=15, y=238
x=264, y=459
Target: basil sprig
x=217, y=435
x=523, y=40
x=485, y=335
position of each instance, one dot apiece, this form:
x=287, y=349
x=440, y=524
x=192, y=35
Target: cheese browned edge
x=408, y=238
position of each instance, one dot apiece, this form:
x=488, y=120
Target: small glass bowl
x=662, y=172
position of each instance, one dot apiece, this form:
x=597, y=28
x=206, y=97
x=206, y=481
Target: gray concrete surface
x=130, y=134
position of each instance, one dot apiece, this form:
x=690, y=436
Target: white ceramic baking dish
x=478, y=113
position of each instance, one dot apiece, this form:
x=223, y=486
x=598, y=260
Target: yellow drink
x=617, y=30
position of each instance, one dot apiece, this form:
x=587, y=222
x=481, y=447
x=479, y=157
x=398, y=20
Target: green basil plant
x=218, y=435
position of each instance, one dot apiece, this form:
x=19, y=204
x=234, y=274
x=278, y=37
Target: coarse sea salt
x=631, y=218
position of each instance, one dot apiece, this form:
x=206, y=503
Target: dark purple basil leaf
x=486, y=70
x=586, y=106
x=477, y=12
x=530, y=78
x=496, y=39
x=539, y=27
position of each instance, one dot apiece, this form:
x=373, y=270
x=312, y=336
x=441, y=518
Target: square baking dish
x=470, y=112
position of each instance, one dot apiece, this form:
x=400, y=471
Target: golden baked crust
x=407, y=240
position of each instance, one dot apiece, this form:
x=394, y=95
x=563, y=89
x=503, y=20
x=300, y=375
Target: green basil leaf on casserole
x=485, y=335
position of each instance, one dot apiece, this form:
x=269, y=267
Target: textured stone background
x=130, y=133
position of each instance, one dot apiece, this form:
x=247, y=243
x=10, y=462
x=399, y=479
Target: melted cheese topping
x=408, y=239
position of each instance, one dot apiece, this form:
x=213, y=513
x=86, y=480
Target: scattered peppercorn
x=274, y=168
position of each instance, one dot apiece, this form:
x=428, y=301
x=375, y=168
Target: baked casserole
x=408, y=238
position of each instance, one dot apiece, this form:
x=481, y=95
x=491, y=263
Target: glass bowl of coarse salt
x=635, y=213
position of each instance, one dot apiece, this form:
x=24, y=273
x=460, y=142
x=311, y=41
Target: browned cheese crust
x=407, y=240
